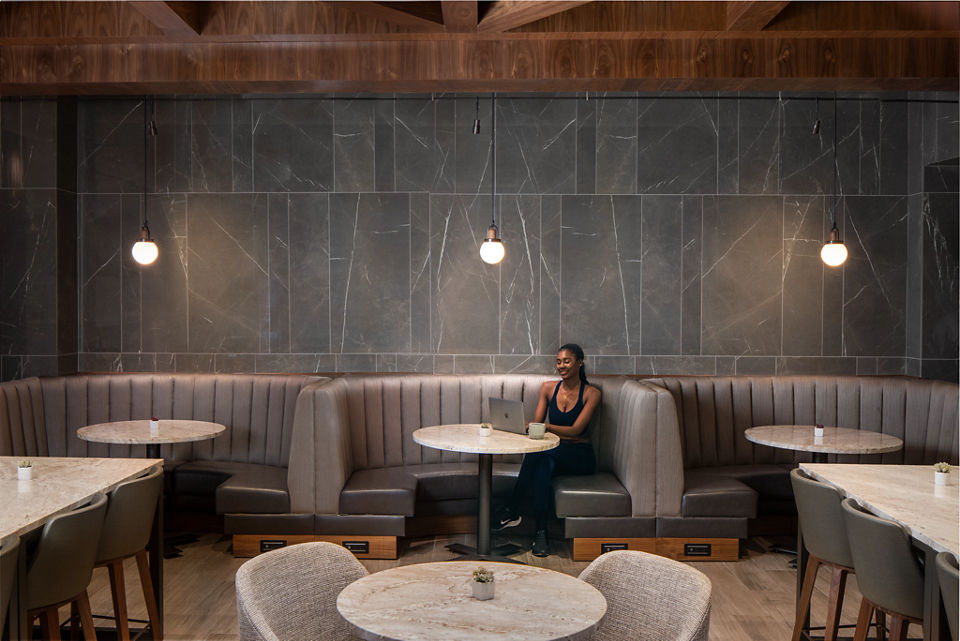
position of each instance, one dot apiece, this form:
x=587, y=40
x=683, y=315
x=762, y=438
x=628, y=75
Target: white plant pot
x=941, y=478
x=483, y=591
x=154, y=427
x=25, y=473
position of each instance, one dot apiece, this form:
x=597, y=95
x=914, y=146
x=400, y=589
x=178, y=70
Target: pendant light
x=491, y=249
x=834, y=252
x=145, y=250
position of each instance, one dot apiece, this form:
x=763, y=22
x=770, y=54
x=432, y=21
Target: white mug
x=536, y=430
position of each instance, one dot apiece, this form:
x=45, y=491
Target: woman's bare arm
x=591, y=398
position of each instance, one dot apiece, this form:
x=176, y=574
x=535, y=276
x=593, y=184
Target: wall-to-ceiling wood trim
x=509, y=14
x=753, y=15
x=165, y=17
x=459, y=16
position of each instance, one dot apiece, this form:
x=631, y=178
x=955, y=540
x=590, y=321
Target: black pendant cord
x=146, y=133
x=836, y=166
x=493, y=153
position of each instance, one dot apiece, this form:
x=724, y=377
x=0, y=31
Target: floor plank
x=753, y=599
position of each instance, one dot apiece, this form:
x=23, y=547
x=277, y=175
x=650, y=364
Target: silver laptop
x=507, y=415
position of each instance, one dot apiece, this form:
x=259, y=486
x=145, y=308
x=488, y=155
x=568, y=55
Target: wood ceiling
x=459, y=45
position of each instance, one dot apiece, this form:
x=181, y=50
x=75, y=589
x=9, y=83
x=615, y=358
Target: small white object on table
x=139, y=433
x=433, y=601
x=466, y=437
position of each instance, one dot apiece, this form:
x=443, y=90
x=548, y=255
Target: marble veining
x=465, y=437
x=138, y=432
x=430, y=601
x=835, y=440
x=903, y=493
x=59, y=484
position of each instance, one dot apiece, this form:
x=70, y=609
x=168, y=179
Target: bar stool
x=126, y=531
x=9, y=551
x=825, y=537
x=949, y=577
x=889, y=575
x=61, y=566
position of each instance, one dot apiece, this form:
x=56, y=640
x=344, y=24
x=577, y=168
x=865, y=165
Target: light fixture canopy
x=145, y=250
x=491, y=250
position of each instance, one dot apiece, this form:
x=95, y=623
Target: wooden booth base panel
x=678, y=549
x=363, y=546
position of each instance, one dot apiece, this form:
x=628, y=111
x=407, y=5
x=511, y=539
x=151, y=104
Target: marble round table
x=433, y=601
x=835, y=440
x=138, y=433
x=465, y=437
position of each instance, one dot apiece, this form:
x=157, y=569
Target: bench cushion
x=450, y=481
x=767, y=479
x=237, y=488
x=708, y=494
x=590, y=495
x=385, y=490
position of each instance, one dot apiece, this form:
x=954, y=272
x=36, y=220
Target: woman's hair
x=577, y=351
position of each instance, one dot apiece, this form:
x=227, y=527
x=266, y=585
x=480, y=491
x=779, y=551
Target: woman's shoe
x=540, y=546
x=505, y=519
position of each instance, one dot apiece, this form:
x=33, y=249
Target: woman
x=566, y=408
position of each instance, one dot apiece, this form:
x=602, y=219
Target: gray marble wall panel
x=677, y=145
x=803, y=275
x=465, y=290
x=687, y=226
x=742, y=263
x=28, y=271
x=536, y=146
x=227, y=243
x=875, y=276
x=661, y=243
x=293, y=145
x=599, y=291
x=28, y=144
x=616, y=147
x=309, y=273
x=370, y=272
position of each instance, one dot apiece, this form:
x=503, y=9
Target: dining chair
x=291, y=593
x=825, y=538
x=60, y=567
x=9, y=553
x=649, y=598
x=125, y=533
x=949, y=577
x=888, y=573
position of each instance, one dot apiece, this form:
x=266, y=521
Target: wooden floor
x=753, y=599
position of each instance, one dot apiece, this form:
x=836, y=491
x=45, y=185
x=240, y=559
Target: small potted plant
x=482, y=584
x=154, y=426
x=24, y=469
x=941, y=473
x=485, y=429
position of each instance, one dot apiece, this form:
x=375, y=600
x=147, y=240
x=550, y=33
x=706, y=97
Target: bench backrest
x=713, y=413
x=40, y=417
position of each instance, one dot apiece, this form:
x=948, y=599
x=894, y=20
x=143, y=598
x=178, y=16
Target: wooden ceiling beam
x=752, y=16
x=389, y=12
x=172, y=20
x=504, y=15
x=485, y=65
x=459, y=16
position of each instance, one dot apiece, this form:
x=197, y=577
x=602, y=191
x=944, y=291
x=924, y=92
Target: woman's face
x=567, y=364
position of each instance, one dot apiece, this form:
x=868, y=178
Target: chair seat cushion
x=708, y=494
x=451, y=481
x=387, y=490
x=590, y=495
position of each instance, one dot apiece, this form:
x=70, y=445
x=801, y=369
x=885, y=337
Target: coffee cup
x=536, y=430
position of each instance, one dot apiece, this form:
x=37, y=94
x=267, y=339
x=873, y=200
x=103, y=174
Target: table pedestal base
x=497, y=553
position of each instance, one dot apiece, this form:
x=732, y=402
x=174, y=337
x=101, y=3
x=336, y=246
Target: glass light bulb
x=145, y=251
x=834, y=253
x=491, y=251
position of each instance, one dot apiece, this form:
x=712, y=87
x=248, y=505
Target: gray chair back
x=821, y=519
x=129, y=518
x=887, y=571
x=649, y=598
x=9, y=552
x=949, y=577
x=63, y=560
x=291, y=593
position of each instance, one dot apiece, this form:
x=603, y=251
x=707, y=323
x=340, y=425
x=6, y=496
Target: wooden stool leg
x=74, y=621
x=143, y=565
x=86, y=617
x=838, y=582
x=898, y=628
x=881, y=626
x=803, y=604
x=863, y=620
x=49, y=624
x=118, y=587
